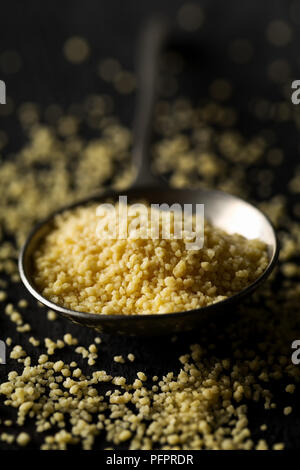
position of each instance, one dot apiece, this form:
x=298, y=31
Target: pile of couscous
x=83, y=270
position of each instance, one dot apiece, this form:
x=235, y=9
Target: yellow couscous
x=80, y=270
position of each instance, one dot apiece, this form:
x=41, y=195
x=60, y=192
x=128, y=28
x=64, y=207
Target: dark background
x=38, y=30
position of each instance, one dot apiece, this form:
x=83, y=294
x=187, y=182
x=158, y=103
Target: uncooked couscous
x=224, y=386
x=77, y=268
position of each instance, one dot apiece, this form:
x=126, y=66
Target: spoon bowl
x=222, y=210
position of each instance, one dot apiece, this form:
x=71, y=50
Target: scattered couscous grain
x=3, y=296
x=51, y=315
x=290, y=388
x=119, y=359
x=23, y=439
x=287, y=410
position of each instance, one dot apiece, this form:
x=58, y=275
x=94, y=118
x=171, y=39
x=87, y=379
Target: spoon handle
x=153, y=39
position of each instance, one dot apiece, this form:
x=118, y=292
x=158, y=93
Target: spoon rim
x=77, y=315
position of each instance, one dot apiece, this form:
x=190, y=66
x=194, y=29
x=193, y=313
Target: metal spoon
x=223, y=210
